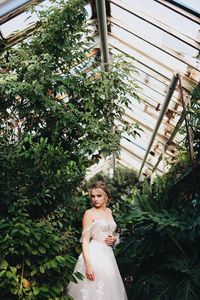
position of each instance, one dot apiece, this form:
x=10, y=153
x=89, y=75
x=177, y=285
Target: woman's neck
x=103, y=209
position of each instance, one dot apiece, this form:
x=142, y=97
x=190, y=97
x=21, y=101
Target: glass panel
x=165, y=15
x=26, y=19
x=7, y=6
x=18, y=23
x=148, y=50
x=191, y=4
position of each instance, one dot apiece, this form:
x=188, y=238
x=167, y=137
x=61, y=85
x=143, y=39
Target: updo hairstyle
x=103, y=186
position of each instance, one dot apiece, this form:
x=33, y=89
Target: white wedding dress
x=108, y=284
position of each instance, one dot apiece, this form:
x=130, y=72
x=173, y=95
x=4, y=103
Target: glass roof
x=8, y=6
x=162, y=37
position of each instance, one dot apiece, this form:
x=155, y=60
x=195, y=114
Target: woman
x=97, y=262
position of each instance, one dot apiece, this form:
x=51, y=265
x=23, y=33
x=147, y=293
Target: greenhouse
x=100, y=149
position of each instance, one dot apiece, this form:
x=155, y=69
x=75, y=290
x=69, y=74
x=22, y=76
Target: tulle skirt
x=108, y=284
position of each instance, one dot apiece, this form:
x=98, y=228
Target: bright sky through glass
x=21, y=21
x=192, y=4
x=24, y=20
x=7, y=6
x=148, y=38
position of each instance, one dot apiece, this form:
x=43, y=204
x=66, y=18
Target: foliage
x=34, y=260
x=37, y=176
x=193, y=122
x=52, y=88
x=58, y=108
x=36, y=188
x=159, y=255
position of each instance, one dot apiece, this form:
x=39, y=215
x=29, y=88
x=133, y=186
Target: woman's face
x=98, y=198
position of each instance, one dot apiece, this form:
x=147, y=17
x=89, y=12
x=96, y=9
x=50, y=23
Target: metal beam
x=103, y=31
x=163, y=110
x=105, y=57
x=168, y=143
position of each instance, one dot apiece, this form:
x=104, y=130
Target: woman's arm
x=87, y=222
x=112, y=239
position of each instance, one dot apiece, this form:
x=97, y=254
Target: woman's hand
x=110, y=240
x=90, y=272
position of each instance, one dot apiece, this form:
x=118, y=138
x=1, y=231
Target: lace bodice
x=99, y=230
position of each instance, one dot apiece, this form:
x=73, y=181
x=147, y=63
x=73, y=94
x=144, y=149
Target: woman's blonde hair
x=100, y=185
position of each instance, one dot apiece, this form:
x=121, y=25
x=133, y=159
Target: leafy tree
x=58, y=108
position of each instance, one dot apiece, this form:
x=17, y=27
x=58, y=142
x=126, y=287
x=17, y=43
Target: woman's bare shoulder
x=109, y=210
x=88, y=214
x=87, y=218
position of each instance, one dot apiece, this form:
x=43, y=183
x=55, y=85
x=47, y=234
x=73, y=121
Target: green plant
x=193, y=119
x=159, y=255
x=35, y=263
x=56, y=120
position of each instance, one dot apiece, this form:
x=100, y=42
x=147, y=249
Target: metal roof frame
x=152, y=21
x=188, y=82
x=159, y=112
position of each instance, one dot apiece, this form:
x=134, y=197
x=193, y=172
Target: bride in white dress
x=102, y=280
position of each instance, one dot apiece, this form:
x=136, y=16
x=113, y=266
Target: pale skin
x=98, y=211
